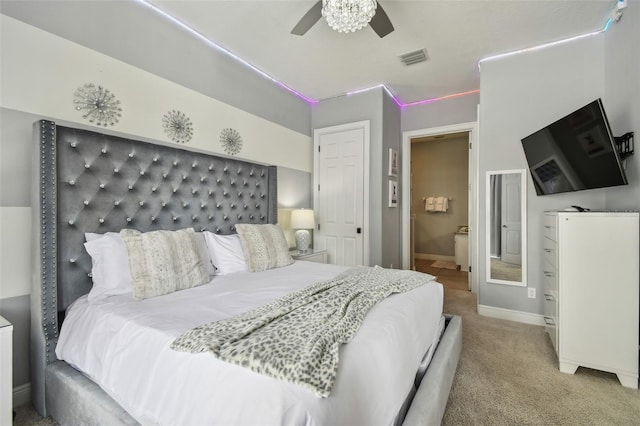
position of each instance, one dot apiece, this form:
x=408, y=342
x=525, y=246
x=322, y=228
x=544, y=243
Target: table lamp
x=302, y=220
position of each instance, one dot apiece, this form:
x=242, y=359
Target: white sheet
x=123, y=345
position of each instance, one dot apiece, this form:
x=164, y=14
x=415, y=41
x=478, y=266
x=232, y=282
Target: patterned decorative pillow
x=162, y=262
x=264, y=246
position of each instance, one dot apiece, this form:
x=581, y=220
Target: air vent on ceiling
x=413, y=58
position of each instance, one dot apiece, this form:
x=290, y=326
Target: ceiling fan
x=380, y=22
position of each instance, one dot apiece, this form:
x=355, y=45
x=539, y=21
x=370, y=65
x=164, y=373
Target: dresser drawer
x=550, y=227
x=550, y=304
x=550, y=248
x=550, y=277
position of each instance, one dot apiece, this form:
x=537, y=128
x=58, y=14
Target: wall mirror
x=506, y=214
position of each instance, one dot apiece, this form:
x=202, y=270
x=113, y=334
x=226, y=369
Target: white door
x=511, y=219
x=339, y=201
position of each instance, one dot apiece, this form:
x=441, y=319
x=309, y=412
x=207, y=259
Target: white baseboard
x=426, y=256
x=22, y=395
x=508, y=314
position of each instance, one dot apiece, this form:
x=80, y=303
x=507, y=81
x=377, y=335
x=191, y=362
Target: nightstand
x=6, y=372
x=311, y=255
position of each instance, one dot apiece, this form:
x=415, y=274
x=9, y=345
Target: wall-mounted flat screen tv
x=574, y=153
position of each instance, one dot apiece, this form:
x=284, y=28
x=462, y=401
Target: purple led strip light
x=403, y=105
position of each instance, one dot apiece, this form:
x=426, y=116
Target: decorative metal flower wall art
x=177, y=126
x=231, y=141
x=98, y=105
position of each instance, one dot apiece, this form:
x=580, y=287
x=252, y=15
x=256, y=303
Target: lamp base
x=303, y=238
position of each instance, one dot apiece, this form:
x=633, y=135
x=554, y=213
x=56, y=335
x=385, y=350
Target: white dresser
x=591, y=291
x=6, y=372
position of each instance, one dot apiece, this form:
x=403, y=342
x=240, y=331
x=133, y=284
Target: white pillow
x=110, y=265
x=203, y=252
x=226, y=253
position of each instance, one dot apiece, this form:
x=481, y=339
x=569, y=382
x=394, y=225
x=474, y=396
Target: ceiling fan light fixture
x=347, y=16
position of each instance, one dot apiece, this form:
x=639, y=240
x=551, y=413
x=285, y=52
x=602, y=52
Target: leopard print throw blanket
x=296, y=338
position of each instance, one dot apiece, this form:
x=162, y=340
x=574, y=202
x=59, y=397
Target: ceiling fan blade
x=308, y=20
x=380, y=23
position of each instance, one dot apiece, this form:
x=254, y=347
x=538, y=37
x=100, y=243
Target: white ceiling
x=324, y=63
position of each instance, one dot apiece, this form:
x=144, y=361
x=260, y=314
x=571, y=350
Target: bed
x=93, y=183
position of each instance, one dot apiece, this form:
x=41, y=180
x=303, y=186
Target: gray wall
x=294, y=188
x=391, y=218
x=523, y=93
x=458, y=110
x=440, y=168
x=348, y=109
x=622, y=99
x=134, y=34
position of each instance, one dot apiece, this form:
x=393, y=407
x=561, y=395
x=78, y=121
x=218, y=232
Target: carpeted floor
x=27, y=415
x=508, y=375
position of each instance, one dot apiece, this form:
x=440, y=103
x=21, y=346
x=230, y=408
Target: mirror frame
x=523, y=218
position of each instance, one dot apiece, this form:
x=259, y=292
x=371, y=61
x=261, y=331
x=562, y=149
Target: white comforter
x=123, y=345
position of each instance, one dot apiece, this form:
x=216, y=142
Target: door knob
x=359, y=230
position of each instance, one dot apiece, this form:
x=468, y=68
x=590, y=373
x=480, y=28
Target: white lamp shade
x=302, y=219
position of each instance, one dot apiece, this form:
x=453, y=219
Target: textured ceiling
x=324, y=63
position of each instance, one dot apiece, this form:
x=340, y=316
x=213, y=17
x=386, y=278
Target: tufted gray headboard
x=91, y=182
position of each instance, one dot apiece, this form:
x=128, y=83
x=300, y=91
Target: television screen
x=574, y=153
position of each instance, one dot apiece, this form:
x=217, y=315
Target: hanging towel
x=442, y=204
x=430, y=204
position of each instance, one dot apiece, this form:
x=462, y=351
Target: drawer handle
x=549, y=321
x=548, y=274
x=548, y=226
x=549, y=297
x=548, y=250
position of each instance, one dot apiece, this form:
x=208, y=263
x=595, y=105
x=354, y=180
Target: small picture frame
x=393, y=193
x=393, y=162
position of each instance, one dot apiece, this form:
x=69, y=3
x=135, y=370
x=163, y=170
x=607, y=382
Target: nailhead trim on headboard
x=48, y=237
x=91, y=182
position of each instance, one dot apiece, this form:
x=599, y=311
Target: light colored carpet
x=508, y=375
x=27, y=415
x=444, y=264
x=505, y=271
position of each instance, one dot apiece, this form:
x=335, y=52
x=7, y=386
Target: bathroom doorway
x=438, y=211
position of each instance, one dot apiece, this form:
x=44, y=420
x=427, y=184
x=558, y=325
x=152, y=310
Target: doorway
x=429, y=201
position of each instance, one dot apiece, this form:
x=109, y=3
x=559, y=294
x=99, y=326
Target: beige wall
x=440, y=168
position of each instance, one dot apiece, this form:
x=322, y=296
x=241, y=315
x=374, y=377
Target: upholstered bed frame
x=90, y=182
